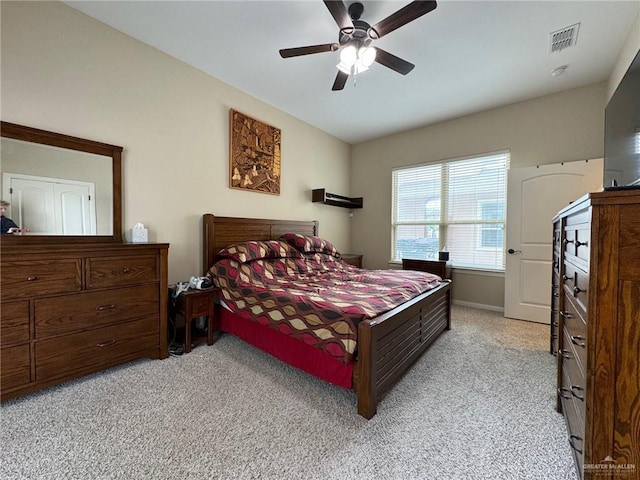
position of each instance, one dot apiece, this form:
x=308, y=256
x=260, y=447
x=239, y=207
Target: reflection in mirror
x=56, y=191
x=59, y=187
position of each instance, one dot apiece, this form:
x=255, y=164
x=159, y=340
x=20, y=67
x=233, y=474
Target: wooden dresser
x=70, y=310
x=598, y=332
x=556, y=283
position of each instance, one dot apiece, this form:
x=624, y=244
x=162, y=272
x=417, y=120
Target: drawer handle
x=106, y=307
x=107, y=344
x=580, y=244
x=564, y=354
x=563, y=390
x=565, y=314
x=567, y=279
x=125, y=270
x=31, y=278
x=577, y=290
x=572, y=438
x=578, y=340
x=566, y=240
x=556, y=294
x=579, y=389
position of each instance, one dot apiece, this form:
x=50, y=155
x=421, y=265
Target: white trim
x=481, y=306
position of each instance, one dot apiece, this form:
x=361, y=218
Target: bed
x=385, y=345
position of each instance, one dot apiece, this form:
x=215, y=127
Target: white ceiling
x=469, y=55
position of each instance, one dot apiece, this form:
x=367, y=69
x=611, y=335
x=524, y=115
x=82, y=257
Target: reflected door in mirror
x=49, y=206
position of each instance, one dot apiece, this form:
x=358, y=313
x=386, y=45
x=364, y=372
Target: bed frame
x=387, y=345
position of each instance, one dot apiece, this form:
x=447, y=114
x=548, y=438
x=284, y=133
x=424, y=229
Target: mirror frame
x=34, y=135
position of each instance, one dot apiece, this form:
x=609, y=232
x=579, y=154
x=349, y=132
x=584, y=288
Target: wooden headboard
x=220, y=232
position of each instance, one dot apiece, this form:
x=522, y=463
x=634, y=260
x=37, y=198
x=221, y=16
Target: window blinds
x=457, y=205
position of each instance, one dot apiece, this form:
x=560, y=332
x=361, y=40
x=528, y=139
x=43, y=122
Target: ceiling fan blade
x=339, y=13
x=393, y=62
x=340, y=81
x=296, y=52
x=403, y=16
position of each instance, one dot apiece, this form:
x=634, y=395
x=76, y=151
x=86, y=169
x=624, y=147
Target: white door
x=32, y=205
x=534, y=196
x=48, y=206
x=73, y=202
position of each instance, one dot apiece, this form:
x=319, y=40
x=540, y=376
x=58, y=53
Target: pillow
x=309, y=243
x=258, y=249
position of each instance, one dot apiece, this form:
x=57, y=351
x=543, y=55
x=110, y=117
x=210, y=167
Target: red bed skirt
x=289, y=350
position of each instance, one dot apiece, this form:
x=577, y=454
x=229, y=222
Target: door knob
x=511, y=251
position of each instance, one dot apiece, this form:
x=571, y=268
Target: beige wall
x=65, y=72
x=556, y=128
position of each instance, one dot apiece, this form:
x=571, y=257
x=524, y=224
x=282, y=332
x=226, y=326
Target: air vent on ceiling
x=563, y=38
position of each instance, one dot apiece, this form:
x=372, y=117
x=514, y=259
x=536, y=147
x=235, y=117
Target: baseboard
x=481, y=306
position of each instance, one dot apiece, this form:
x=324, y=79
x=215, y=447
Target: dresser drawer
x=576, y=243
x=69, y=314
x=38, y=278
x=573, y=377
x=104, y=272
x=201, y=305
x=94, y=350
x=16, y=367
x=575, y=427
x=576, y=286
x=14, y=322
x=576, y=333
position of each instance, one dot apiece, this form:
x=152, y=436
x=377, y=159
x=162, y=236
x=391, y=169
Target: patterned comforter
x=312, y=296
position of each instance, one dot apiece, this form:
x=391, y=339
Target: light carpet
x=479, y=404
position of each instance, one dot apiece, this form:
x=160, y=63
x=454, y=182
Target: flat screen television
x=622, y=132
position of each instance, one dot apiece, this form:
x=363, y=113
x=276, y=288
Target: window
x=491, y=233
x=457, y=205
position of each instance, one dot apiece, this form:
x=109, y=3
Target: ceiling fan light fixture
x=348, y=55
x=366, y=56
x=344, y=67
x=356, y=35
x=359, y=67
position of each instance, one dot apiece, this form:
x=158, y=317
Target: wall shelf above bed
x=322, y=196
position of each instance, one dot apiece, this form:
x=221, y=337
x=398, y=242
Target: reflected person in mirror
x=8, y=225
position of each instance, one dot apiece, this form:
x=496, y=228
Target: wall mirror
x=61, y=188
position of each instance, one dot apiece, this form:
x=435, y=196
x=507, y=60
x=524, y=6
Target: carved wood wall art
x=254, y=152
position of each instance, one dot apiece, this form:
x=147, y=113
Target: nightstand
x=437, y=267
x=193, y=304
x=354, y=259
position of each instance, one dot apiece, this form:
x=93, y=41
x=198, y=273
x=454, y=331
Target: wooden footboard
x=387, y=345
x=390, y=343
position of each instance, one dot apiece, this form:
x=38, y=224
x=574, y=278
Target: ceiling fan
x=355, y=38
